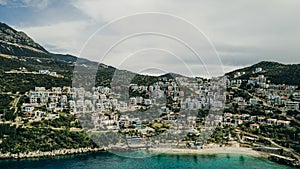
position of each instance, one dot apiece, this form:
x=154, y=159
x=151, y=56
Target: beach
x=156, y=151
x=209, y=151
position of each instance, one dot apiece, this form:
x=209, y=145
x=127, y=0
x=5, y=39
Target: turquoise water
x=104, y=160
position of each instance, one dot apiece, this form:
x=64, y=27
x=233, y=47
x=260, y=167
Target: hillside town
x=49, y=102
x=248, y=112
x=105, y=106
x=149, y=84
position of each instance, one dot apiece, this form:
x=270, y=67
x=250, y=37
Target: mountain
x=277, y=73
x=17, y=43
x=19, y=51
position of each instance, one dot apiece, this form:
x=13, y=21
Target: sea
x=106, y=160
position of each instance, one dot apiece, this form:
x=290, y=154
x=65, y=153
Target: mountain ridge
x=19, y=50
x=276, y=72
x=12, y=37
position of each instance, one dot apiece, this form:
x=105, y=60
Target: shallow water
x=105, y=160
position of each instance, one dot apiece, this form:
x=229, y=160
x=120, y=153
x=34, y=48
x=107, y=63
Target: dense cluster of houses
x=255, y=121
x=45, y=103
x=109, y=110
x=281, y=97
x=285, y=97
x=105, y=105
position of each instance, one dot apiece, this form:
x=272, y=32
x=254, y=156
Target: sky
x=193, y=37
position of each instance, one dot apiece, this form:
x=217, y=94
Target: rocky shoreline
x=38, y=154
x=218, y=150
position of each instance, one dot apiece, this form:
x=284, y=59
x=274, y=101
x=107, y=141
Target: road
x=290, y=118
x=275, y=144
x=15, y=103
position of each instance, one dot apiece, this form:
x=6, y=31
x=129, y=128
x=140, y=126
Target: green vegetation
x=6, y=129
x=4, y=101
x=222, y=134
x=106, y=139
x=45, y=135
x=241, y=93
x=8, y=114
x=25, y=82
x=53, y=134
x=285, y=136
x=276, y=72
x=159, y=126
x=65, y=121
x=144, y=80
x=43, y=139
x=137, y=93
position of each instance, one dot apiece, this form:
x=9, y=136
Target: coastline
x=210, y=151
x=155, y=151
x=170, y=151
x=53, y=153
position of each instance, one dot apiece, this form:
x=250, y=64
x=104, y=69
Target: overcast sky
x=191, y=37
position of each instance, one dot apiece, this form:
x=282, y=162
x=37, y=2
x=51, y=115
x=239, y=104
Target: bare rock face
x=12, y=37
x=16, y=44
x=17, y=41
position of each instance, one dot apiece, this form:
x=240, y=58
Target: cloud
x=61, y=37
x=255, y=27
x=101, y=10
x=3, y=2
x=38, y=4
x=243, y=32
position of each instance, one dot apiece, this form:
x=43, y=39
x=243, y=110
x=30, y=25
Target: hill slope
x=276, y=72
x=17, y=50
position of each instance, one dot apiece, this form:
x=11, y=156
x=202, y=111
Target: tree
x=9, y=115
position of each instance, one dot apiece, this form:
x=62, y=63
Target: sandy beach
x=208, y=151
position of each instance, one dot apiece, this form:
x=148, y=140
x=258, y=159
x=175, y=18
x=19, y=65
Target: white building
x=258, y=69
x=291, y=105
x=147, y=102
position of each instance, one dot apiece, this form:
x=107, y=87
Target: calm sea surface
x=105, y=160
